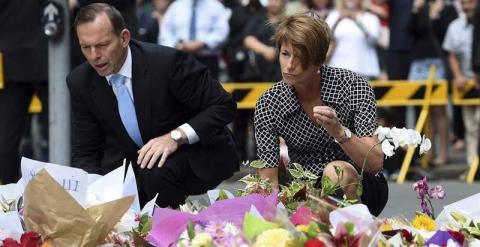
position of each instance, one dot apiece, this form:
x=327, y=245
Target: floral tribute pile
x=297, y=215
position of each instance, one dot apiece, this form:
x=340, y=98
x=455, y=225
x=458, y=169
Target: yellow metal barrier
x=422, y=119
x=468, y=96
x=387, y=93
x=2, y=82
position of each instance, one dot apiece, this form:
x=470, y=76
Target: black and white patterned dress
x=278, y=113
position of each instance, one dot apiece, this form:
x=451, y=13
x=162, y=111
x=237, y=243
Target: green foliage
x=145, y=224
x=222, y=195
x=190, y=230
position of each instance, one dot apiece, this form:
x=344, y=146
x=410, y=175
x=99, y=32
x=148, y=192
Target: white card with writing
x=73, y=180
x=10, y=225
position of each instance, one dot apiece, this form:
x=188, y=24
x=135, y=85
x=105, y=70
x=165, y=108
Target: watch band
x=347, y=134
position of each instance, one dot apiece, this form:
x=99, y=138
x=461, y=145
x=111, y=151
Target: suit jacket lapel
x=141, y=92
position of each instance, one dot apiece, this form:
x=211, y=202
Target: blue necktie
x=126, y=109
x=193, y=21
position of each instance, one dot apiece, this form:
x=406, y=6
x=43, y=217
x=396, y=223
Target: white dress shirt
x=126, y=71
x=211, y=24
x=354, y=50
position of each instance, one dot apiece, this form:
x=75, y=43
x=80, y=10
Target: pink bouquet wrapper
x=168, y=224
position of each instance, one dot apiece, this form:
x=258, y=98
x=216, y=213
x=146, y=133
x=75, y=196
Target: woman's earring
x=319, y=71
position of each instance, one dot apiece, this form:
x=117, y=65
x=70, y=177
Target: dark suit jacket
x=24, y=47
x=169, y=88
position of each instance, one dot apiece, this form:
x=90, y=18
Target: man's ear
x=125, y=35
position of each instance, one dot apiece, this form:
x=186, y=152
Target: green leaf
x=310, y=175
x=338, y=170
x=295, y=173
x=298, y=167
x=254, y=226
x=457, y=216
x=222, y=195
x=350, y=227
x=324, y=228
x=190, y=230
x=312, y=230
x=259, y=164
x=359, y=190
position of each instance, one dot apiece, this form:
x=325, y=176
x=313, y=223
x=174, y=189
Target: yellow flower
x=422, y=221
x=202, y=240
x=274, y=238
x=302, y=228
x=386, y=227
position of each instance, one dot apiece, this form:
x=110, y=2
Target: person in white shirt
x=458, y=43
x=198, y=27
x=355, y=33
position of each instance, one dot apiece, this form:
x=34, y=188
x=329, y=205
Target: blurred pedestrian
x=25, y=52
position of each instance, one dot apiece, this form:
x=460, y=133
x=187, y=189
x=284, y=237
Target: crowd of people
x=316, y=49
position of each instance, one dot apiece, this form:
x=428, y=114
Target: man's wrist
x=179, y=136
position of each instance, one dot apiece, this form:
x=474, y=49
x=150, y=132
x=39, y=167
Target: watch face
x=176, y=135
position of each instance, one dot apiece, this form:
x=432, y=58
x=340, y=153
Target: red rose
x=458, y=236
x=407, y=235
x=314, y=242
x=10, y=242
x=30, y=239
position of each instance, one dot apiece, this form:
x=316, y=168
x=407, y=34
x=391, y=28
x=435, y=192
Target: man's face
x=468, y=7
x=104, y=50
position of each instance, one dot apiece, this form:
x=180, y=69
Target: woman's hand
x=328, y=119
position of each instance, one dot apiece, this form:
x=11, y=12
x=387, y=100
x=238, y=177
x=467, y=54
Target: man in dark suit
x=25, y=53
x=173, y=122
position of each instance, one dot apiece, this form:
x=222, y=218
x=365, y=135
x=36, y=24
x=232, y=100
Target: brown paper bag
x=58, y=217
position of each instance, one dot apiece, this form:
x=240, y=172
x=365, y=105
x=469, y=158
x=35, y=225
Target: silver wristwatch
x=347, y=134
x=176, y=136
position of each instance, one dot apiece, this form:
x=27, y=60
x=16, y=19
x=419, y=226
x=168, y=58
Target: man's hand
x=158, y=147
x=460, y=82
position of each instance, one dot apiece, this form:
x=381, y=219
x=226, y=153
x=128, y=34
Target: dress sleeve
x=364, y=107
x=266, y=134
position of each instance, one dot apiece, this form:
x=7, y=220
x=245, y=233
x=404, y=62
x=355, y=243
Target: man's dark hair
x=90, y=12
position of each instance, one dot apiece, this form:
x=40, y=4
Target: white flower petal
x=387, y=148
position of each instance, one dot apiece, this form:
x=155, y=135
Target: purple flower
x=425, y=208
x=421, y=186
x=437, y=192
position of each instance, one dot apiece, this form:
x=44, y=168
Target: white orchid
x=382, y=133
x=393, y=138
x=425, y=145
x=387, y=148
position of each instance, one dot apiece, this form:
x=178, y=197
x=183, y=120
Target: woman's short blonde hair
x=307, y=33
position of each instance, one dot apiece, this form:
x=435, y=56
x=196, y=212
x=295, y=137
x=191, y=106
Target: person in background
x=237, y=58
x=25, y=51
x=458, y=42
x=355, y=33
x=428, y=25
x=321, y=7
x=167, y=115
x=198, y=27
x=326, y=115
x=159, y=9
x=263, y=60
x=148, y=26
x=235, y=51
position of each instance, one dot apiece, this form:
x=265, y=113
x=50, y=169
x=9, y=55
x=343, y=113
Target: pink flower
x=437, y=192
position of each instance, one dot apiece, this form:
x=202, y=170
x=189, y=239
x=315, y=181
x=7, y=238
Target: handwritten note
x=73, y=180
